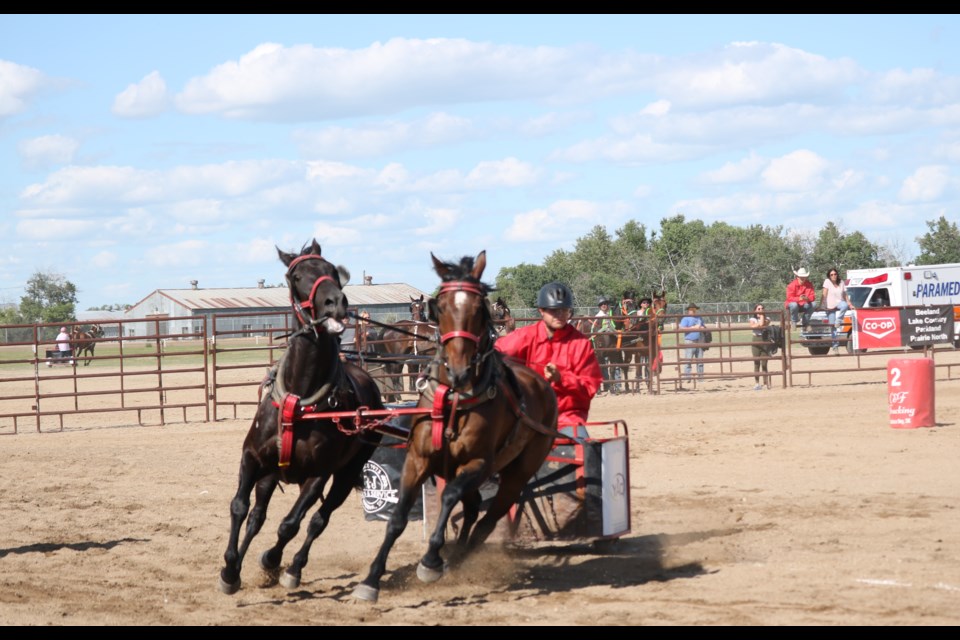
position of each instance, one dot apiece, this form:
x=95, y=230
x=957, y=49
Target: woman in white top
x=835, y=300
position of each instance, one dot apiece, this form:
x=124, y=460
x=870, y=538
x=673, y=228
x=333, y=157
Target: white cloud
x=656, y=109
x=800, y=170
x=50, y=229
x=755, y=73
x=188, y=253
x=745, y=169
x=18, y=85
x=129, y=186
x=45, y=152
x=303, y=82
x=509, y=172
x=338, y=235
x=561, y=220
x=103, y=260
x=926, y=184
x=438, y=221
x=256, y=251
x=144, y=99
x=384, y=138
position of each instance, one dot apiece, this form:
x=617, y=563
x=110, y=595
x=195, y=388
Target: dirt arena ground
x=796, y=506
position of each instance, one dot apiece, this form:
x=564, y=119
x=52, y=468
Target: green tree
x=834, y=248
x=675, y=251
x=940, y=244
x=519, y=285
x=49, y=298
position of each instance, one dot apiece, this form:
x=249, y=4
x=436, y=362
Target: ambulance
x=915, y=285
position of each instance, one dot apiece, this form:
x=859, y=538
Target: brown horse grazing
x=407, y=342
x=488, y=416
x=283, y=446
x=84, y=342
x=502, y=317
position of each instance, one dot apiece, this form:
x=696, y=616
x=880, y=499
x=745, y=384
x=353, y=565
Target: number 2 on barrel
x=895, y=377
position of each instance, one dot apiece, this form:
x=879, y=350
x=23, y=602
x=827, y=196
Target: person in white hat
x=800, y=298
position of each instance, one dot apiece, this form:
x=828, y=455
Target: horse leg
x=461, y=488
x=412, y=480
x=344, y=481
x=239, y=509
x=471, y=511
x=310, y=491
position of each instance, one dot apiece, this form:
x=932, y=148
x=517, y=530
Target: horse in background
x=84, y=342
x=407, y=342
x=502, y=318
x=488, y=415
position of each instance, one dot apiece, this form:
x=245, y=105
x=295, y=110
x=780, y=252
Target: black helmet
x=554, y=295
x=603, y=300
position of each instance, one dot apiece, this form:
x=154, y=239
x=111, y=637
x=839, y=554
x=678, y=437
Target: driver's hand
x=551, y=372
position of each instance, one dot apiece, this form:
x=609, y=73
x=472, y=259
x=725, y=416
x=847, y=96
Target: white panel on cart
x=616, y=505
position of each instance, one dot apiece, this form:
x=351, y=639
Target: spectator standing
x=692, y=327
x=758, y=325
x=63, y=345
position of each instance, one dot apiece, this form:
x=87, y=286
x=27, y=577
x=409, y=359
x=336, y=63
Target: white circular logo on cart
x=377, y=490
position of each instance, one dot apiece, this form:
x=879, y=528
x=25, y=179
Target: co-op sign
x=905, y=327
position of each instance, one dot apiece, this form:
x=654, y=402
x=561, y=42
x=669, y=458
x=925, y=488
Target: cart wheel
x=606, y=545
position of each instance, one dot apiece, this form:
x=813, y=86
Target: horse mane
x=462, y=272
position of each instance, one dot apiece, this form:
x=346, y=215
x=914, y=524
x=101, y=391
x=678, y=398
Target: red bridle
x=298, y=305
x=453, y=287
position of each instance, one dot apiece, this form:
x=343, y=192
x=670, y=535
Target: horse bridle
x=455, y=286
x=300, y=305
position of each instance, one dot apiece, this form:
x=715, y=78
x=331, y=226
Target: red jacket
x=572, y=352
x=798, y=288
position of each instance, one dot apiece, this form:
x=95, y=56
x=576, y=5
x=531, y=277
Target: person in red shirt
x=800, y=297
x=561, y=354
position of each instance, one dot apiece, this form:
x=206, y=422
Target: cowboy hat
x=692, y=305
x=802, y=273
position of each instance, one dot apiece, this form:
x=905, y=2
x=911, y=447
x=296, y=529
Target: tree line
x=689, y=260
x=695, y=262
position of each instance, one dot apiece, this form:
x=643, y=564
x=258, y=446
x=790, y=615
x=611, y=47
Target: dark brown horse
x=487, y=416
x=502, y=318
x=407, y=342
x=281, y=446
x=85, y=342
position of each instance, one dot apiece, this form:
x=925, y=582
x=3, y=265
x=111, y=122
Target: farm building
x=384, y=302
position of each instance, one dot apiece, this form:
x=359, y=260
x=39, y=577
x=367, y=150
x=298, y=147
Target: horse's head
x=418, y=309
x=628, y=304
x=463, y=319
x=316, y=289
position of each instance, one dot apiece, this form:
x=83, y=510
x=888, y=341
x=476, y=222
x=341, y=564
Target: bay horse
x=282, y=446
x=488, y=415
x=502, y=317
x=401, y=344
x=84, y=342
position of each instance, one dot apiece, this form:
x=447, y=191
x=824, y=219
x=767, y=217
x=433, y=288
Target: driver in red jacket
x=562, y=354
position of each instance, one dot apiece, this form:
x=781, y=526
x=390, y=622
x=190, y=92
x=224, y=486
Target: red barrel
x=911, y=392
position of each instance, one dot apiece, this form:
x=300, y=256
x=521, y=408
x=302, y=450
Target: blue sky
x=143, y=152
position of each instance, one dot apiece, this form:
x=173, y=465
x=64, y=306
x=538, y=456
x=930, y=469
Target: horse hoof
x=366, y=593
x=289, y=581
x=229, y=588
x=426, y=574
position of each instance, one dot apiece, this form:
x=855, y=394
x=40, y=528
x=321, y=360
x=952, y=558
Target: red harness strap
x=288, y=415
x=436, y=431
